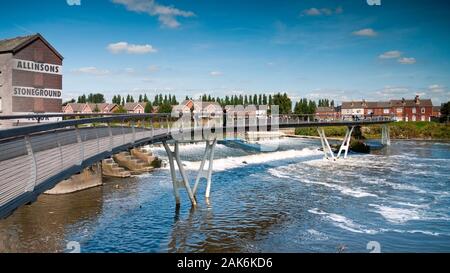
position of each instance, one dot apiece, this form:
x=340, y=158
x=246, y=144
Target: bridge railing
x=34, y=157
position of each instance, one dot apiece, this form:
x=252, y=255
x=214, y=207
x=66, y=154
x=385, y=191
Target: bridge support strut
x=346, y=142
x=177, y=184
x=328, y=152
x=385, y=136
x=202, y=173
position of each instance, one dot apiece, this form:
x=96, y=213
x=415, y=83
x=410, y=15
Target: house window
x=422, y=118
x=386, y=111
x=413, y=118
x=422, y=110
x=414, y=110
x=399, y=110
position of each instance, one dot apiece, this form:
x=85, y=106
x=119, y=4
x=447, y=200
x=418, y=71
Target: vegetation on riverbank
x=398, y=130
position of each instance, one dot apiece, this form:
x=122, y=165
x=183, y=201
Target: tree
x=69, y=101
x=148, y=107
x=96, y=109
x=140, y=98
x=123, y=102
x=165, y=108
x=82, y=99
x=445, y=112
x=145, y=98
x=174, y=100
x=284, y=103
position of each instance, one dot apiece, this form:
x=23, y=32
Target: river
x=290, y=200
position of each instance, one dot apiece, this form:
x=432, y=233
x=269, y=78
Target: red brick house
x=412, y=110
x=377, y=108
x=326, y=113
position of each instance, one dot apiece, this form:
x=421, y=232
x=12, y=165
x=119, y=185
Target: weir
x=35, y=158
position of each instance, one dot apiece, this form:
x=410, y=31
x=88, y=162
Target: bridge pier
x=328, y=152
x=385, y=136
x=346, y=142
x=202, y=173
x=90, y=177
x=177, y=184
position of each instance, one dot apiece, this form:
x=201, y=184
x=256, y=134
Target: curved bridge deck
x=35, y=158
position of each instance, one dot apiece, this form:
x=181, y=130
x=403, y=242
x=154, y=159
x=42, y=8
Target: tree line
x=165, y=102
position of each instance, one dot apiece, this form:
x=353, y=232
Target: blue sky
x=338, y=49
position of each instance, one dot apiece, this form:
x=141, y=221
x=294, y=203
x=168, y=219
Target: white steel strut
x=177, y=184
x=385, y=136
x=346, y=142
x=202, y=173
x=328, y=153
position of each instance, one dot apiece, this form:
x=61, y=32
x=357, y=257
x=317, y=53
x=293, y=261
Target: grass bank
x=398, y=130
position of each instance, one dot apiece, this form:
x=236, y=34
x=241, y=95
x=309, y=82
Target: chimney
x=416, y=99
x=403, y=101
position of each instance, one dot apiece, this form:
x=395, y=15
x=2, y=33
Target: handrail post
x=33, y=177
x=80, y=142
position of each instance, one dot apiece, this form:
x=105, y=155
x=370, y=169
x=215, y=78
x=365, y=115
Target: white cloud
x=73, y=2
x=129, y=70
x=130, y=48
x=406, y=60
x=153, y=68
x=167, y=15
x=91, y=70
x=436, y=88
x=366, y=32
x=393, y=54
x=393, y=91
x=215, y=73
x=322, y=11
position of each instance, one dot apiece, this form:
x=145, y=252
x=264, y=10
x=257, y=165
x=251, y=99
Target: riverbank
x=420, y=130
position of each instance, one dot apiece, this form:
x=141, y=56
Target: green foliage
x=91, y=98
x=148, y=108
x=165, y=108
x=398, y=130
x=332, y=131
x=284, y=103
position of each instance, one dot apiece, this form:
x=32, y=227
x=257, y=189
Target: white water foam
x=396, y=215
x=227, y=163
x=286, y=173
x=343, y=222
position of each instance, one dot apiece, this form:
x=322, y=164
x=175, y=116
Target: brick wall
x=37, y=52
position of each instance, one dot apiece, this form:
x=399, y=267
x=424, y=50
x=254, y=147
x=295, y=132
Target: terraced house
x=403, y=110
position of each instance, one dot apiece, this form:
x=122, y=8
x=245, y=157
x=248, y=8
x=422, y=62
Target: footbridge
x=35, y=157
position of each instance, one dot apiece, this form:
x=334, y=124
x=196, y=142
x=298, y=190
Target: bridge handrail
x=164, y=117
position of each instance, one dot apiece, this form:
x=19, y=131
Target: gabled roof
x=130, y=106
x=14, y=45
x=412, y=103
x=76, y=107
x=352, y=104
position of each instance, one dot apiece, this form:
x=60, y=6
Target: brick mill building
x=30, y=76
